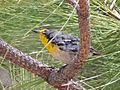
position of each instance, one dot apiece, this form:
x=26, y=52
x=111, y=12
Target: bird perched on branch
x=62, y=46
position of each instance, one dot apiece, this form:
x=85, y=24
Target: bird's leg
x=62, y=67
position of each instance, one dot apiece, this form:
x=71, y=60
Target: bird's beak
x=36, y=31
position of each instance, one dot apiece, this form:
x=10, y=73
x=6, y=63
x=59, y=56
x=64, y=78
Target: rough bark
x=58, y=78
x=23, y=60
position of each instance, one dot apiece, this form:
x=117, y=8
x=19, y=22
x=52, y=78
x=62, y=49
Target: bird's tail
x=95, y=52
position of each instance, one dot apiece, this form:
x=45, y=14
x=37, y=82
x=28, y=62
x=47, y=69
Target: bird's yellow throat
x=52, y=48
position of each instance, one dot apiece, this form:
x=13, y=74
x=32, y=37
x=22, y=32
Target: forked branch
x=62, y=78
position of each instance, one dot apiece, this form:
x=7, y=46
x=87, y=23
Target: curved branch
x=67, y=73
x=30, y=64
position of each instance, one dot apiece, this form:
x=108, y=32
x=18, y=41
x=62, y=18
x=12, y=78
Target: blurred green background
x=19, y=17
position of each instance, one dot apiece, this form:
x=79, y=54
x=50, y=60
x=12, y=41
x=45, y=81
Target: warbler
x=64, y=47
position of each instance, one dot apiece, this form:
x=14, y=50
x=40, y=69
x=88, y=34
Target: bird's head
x=43, y=35
x=39, y=31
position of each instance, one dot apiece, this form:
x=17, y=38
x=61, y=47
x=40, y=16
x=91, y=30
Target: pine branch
x=62, y=78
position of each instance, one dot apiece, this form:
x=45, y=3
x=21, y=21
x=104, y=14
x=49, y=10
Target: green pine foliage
x=19, y=17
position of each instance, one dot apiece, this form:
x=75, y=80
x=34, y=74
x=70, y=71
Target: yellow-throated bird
x=60, y=45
